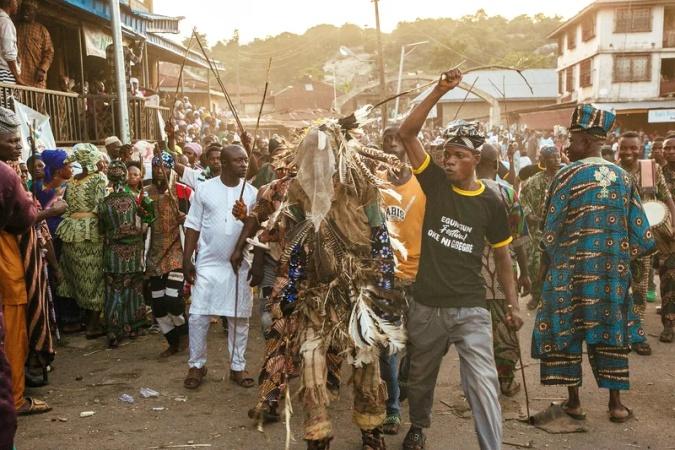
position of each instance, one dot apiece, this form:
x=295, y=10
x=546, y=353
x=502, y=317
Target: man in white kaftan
x=214, y=291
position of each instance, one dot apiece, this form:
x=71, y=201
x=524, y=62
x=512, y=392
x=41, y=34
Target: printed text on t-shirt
x=453, y=235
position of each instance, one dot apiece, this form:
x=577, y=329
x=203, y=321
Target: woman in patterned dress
x=120, y=223
x=82, y=251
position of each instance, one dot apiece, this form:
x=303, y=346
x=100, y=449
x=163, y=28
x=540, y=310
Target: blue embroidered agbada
x=594, y=226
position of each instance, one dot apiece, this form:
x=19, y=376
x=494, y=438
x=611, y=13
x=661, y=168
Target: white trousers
x=237, y=339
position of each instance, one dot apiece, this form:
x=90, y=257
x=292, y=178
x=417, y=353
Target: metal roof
x=544, y=83
x=645, y=105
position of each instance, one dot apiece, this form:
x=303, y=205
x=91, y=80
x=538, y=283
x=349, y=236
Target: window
x=561, y=80
x=572, y=39
x=588, y=29
x=632, y=68
x=569, y=79
x=561, y=44
x=585, y=69
x=632, y=20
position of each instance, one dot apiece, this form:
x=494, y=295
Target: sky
x=261, y=18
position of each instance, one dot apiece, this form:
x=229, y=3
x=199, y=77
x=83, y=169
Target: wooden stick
x=465, y=98
x=228, y=99
x=257, y=125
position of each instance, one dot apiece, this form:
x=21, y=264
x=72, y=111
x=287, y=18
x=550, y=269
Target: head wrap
x=465, y=135
x=548, y=150
x=9, y=122
x=112, y=140
x=54, y=160
x=87, y=155
x=589, y=119
x=164, y=159
x=117, y=174
x=196, y=148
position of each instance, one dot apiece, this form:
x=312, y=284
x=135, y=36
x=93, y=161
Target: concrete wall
x=474, y=110
x=602, y=49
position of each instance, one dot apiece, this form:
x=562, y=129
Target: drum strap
x=647, y=176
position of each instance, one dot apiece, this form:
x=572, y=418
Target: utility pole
x=120, y=75
x=380, y=63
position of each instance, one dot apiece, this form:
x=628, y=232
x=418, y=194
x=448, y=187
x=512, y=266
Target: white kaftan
x=211, y=215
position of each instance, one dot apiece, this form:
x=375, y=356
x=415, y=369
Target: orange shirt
x=13, y=285
x=404, y=219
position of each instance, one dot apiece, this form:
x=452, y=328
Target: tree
x=202, y=38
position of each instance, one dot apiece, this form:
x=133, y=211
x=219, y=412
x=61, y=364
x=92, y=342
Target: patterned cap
x=587, y=118
x=165, y=159
x=117, y=172
x=463, y=134
x=9, y=122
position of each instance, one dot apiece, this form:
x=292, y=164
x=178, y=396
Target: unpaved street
x=89, y=377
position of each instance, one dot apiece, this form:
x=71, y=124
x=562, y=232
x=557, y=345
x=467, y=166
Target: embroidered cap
x=463, y=134
x=592, y=120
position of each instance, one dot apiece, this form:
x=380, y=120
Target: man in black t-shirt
x=449, y=304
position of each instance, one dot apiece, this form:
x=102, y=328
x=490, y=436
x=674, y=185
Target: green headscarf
x=87, y=155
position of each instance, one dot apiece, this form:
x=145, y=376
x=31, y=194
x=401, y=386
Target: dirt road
x=89, y=377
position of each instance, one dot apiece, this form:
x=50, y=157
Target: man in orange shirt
x=405, y=215
x=16, y=218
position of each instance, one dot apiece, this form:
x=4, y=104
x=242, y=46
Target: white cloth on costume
x=211, y=214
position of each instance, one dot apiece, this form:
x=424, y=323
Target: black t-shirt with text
x=456, y=226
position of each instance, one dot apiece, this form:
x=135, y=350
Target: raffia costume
x=334, y=297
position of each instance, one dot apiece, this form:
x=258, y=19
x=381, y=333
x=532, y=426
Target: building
x=80, y=31
x=305, y=94
x=509, y=90
x=619, y=55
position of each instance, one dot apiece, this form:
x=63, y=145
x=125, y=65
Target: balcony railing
x=90, y=118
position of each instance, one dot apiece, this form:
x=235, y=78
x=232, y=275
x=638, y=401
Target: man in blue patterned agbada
x=594, y=227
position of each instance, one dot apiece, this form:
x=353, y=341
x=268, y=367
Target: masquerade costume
x=334, y=297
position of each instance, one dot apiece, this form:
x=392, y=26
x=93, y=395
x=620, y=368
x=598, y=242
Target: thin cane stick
x=522, y=372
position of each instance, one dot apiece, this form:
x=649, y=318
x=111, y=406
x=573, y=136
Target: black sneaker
x=415, y=439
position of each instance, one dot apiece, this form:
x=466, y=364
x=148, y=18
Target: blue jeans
x=389, y=374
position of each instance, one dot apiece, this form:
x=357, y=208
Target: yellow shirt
x=404, y=220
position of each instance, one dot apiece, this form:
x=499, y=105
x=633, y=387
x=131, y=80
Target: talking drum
x=658, y=216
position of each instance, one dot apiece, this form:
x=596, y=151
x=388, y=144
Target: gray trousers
x=431, y=331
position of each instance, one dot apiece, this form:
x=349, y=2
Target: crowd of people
x=377, y=257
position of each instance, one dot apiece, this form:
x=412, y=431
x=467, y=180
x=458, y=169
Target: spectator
x=10, y=72
x=37, y=51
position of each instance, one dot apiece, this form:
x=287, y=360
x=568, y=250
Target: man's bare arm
x=191, y=239
x=505, y=276
x=412, y=124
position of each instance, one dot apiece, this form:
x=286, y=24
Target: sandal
x=667, y=335
x=240, y=378
x=33, y=406
x=509, y=388
x=642, y=349
x=391, y=424
x=615, y=419
x=172, y=350
x=575, y=416
x=372, y=440
x=415, y=439
x=194, y=377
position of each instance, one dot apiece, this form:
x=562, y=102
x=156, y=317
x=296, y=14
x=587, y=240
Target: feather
x=398, y=247
x=369, y=331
